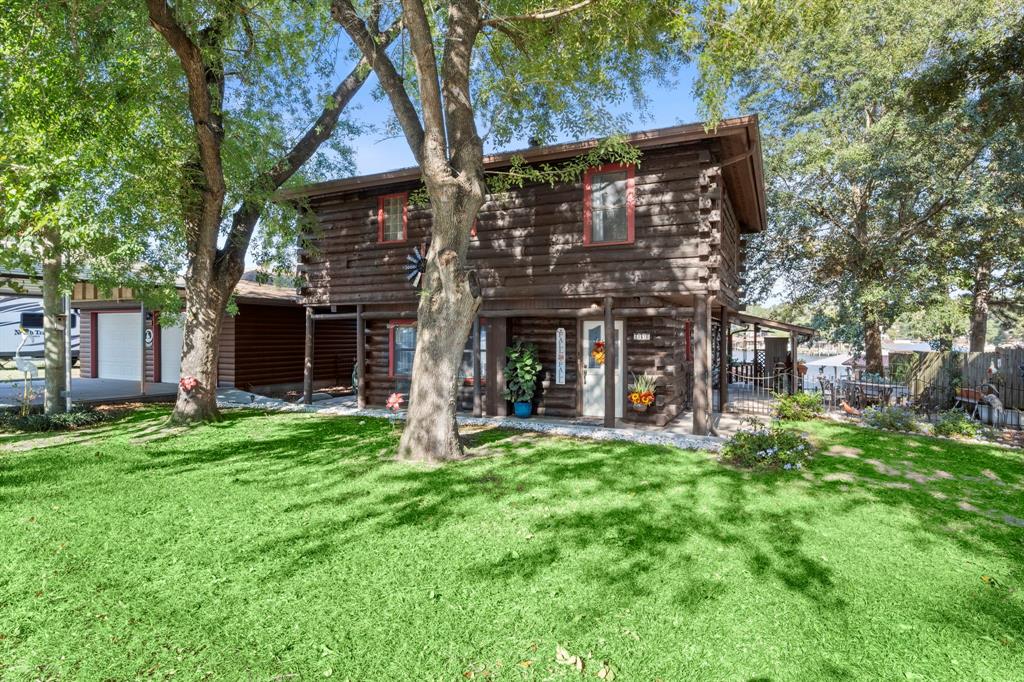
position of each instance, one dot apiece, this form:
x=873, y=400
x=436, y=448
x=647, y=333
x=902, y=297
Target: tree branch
x=464, y=143
x=390, y=80
x=542, y=15
x=244, y=220
x=435, y=148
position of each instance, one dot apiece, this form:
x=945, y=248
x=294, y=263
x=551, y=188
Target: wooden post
x=701, y=365
x=477, y=405
x=609, y=363
x=793, y=347
x=497, y=339
x=307, y=370
x=142, y=376
x=723, y=360
x=360, y=358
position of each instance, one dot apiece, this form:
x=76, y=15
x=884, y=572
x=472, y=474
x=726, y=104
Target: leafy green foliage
x=522, y=369
x=767, y=447
x=799, y=406
x=890, y=418
x=36, y=421
x=859, y=183
x=955, y=423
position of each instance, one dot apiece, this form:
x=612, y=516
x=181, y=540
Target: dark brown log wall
x=529, y=242
x=664, y=357
x=269, y=342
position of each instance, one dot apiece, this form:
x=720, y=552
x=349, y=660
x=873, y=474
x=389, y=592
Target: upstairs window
x=608, y=205
x=402, y=346
x=392, y=217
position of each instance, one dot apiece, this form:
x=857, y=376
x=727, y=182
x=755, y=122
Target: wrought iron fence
x=853, y=391
x=754, y=390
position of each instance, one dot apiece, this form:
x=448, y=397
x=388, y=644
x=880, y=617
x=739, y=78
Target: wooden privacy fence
x=1002, y=369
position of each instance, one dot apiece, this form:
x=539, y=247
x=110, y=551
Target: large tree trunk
x=873, y=343
x=53, y=331
x=450, y=301
x=979, y=307
x=205, y=304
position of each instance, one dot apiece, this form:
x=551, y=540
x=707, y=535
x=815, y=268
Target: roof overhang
x=774, y=324
x=741, y=161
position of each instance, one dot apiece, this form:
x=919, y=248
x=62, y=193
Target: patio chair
x=829, y=392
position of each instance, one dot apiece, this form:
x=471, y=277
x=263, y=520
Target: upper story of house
x=669, y=227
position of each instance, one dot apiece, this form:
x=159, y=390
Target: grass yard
x=285, y=547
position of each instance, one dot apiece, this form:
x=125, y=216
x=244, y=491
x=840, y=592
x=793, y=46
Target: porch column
x=793, y=347
x=723, y=360
x=360, y=358
x=496, y=342
x=477, y=406
x=609, y=363
x=701, y=364
x=307, y=368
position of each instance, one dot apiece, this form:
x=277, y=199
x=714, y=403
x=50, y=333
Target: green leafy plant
x=890, y=418
x=767, y=447
x=955, y=423
x=799, y=406
x=36, y=421
x=521, y=372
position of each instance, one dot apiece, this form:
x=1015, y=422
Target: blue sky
x=669, y=105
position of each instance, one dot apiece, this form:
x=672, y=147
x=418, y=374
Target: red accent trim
x=391, y=343
x=630, y=203
x=472, y=230
x=689, y=338
x=404, y=196
x=157, y=346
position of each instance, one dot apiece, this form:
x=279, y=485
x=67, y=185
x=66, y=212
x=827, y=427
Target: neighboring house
x=21, y=312
x=656, y=249
x=261, y=346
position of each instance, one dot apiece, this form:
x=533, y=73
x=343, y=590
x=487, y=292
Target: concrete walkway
x=675, y=434
x=87, y=391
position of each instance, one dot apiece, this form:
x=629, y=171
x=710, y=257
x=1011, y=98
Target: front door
x=593, y=372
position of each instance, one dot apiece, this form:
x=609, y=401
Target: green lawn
x=286, y=547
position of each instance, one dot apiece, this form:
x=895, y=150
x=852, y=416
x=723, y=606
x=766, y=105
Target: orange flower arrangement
x=641, y=391
x=597, y=352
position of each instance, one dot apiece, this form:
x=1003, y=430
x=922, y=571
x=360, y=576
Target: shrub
x=36, y=421
x=955, y=423
x=763, y=447
x=890, y=418
x=799, y=406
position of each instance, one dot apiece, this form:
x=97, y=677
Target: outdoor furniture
x=829, y=392
x=863, y=393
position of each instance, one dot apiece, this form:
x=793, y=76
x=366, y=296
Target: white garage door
x=119, y=345
x=170, y=354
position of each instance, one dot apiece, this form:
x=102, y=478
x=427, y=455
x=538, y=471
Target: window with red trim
x=608, y=205
x=392, y=217
x=401, y=347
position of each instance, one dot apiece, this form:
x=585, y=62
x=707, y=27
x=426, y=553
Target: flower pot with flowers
x=641, y=392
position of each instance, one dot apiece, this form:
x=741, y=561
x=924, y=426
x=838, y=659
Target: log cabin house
x=652, y=251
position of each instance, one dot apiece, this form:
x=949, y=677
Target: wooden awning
x=774, y=324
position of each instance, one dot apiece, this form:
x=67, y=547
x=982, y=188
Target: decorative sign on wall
x=641, y=336
x=560, y=356
x=148, y=336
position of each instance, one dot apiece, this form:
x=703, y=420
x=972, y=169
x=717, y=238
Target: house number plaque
x=641, y=336
x=560, y=356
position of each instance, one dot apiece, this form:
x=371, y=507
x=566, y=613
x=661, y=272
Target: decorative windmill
x=416, y=265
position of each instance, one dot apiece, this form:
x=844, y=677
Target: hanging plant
x=597, y=352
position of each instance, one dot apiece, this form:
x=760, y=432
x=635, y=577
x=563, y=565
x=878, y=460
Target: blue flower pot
x=523, y=410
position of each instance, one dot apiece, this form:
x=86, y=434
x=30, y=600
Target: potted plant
x=641, y=392
x=521, y=372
